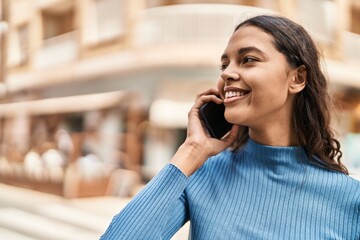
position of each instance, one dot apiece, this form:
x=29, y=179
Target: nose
x=229, y=74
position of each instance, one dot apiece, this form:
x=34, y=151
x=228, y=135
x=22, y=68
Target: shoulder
x=343, y=185
x=355, y=177
x=332, y=177
x=354, y=183
x=351, y=181
x=350, y=188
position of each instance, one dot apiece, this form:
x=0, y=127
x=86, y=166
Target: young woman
x=278, y=176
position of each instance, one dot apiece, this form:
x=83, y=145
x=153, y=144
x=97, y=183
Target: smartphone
x=212, y=115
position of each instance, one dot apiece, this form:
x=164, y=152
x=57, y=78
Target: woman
x=283, y=178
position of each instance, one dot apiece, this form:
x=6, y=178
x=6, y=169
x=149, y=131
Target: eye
x=223, y=66
x=249, y=59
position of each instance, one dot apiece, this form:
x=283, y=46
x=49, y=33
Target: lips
x=235, y=92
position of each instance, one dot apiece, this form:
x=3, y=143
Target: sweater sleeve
x=157, y=212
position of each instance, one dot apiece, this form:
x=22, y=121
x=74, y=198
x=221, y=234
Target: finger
x=211, y=91
x=207, y=98
x=233, y=134
x=220, y=87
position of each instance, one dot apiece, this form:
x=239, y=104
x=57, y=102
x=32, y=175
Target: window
x=355, y=19
x=59, y=36
x=57, y=23
x=104, y=21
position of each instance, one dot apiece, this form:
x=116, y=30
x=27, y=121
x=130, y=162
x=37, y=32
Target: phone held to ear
x=212, y=115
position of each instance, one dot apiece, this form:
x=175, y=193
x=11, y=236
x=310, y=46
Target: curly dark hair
x=312, y=106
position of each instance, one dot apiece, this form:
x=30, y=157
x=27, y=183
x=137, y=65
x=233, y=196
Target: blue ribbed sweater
x=260, y=192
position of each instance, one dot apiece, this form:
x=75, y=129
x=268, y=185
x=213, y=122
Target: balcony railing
x=57, y=50
x=191, y=23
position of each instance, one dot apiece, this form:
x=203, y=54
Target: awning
x=70, y=104
x=120, y=64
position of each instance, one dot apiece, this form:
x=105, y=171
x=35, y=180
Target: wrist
x=189, y=158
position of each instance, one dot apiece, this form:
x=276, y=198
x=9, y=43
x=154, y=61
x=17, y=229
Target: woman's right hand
x=199, y=145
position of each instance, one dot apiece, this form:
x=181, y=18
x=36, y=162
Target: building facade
x=133, y=69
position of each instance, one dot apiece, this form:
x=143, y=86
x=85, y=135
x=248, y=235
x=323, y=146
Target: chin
x=232, y=118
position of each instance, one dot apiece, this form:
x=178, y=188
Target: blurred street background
x=94, y=96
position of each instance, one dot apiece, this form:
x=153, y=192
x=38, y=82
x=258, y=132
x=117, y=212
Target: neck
x=274, y=135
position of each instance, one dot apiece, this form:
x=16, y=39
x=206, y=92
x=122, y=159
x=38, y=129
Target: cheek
x=271, y=95
x=220, y=87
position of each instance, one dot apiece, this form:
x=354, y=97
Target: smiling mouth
x=237, y=93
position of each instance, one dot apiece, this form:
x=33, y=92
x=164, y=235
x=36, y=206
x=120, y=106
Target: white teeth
x=234, y=94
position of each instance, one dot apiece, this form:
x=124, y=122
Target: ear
x=298, y=81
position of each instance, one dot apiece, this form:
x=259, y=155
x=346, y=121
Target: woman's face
x=255, y=80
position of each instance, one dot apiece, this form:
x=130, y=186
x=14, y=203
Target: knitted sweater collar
x=274, y=154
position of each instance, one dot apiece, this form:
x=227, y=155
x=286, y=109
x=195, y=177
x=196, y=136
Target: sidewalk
x=28, y=215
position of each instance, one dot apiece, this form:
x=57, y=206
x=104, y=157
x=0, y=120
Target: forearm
x=147, y=214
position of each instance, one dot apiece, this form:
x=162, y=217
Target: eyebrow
x=245, y=50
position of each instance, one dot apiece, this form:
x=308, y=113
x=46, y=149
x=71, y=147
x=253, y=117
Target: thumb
x=233, y=134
